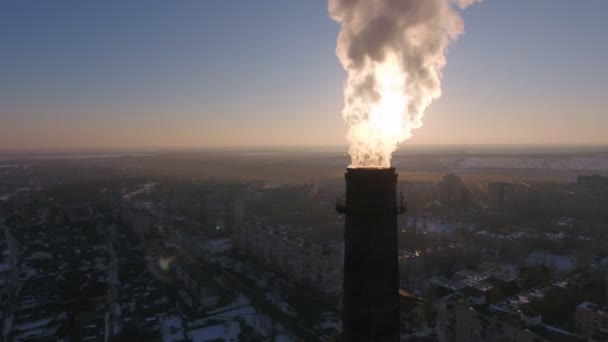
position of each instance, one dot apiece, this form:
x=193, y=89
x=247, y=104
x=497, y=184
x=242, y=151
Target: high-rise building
x=450, y=189
x=497, y=194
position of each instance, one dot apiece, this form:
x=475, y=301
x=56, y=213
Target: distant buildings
x=223, y=210
x=453, y=194
x=416, y=266
x=489, y=283
x=594, y=181
x=486, y=305
x=592, y=320
x=450, y=190
x=498, y=193
x=203, y=290
x=585, y=198
x=302, y=263
x=462, y=321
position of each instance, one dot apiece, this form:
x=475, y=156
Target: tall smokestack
x=371, y=272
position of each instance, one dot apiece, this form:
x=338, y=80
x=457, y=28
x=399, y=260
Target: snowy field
x=577, y=164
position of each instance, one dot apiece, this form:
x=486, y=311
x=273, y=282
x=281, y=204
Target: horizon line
x=294, y=148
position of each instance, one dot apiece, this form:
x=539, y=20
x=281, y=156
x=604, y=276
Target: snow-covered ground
x=262, y=281
x=512, y=163
x=225, y=323
x=228, y=331
x=433, y=225
x=7, y=196
x=328, y=322
x=144, y=189
x=216, y=246
x=579, y=164
x=284, y=338
x=276, y=301
x=172, y=328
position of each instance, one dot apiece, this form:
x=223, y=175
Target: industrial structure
x=371, y=272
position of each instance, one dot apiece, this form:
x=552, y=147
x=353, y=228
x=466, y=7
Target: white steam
x=394, y=53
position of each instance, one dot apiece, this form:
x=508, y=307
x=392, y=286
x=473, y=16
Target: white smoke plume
x=394, y=52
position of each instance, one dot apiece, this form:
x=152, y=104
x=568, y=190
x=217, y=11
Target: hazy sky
x=133, y=74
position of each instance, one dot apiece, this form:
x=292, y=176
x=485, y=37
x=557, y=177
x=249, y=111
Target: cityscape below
x=303, y=171
x=248, y=246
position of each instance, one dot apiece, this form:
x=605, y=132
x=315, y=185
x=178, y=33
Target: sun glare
x=387, y=114
x=384, y=128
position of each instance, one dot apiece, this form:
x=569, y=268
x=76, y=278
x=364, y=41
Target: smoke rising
x=394, y=53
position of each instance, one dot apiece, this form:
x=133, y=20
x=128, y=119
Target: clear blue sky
x=134, y=74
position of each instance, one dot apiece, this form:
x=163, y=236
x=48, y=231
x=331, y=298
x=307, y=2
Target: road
x=111, y=321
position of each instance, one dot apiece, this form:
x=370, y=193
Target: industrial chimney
x=371, y=271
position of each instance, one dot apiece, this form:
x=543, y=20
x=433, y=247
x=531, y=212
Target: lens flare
x=164, y=263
